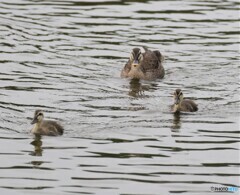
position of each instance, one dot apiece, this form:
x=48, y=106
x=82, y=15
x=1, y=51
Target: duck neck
x=176, y=107
x=36, y=127
x=136, y=73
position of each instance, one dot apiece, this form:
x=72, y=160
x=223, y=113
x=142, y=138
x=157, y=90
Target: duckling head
x=38, y=117
x=178, y=97
x=136, y=58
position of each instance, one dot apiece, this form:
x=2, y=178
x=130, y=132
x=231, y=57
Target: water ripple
x=65, y=57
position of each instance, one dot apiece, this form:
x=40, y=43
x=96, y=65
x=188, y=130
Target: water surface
x=65, y=57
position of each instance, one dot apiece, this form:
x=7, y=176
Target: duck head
x=136, y=58
x=178, y=97
x=38, y=117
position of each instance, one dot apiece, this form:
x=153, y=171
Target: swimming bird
x=45, y=127
x=181, y=104
x=147, y=65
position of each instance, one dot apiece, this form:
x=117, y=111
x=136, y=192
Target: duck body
x=147, y=65
x=186, y=106
x=183, y=105
x=45, y=127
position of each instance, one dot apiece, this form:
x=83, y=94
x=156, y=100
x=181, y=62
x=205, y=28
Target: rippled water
x=65, y=57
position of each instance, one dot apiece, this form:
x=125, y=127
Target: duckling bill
x=45, y=127
x=181, y=104
x=147, y=65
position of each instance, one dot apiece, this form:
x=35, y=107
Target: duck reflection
x=37, y=143
x=137, y=88
x=176, y=122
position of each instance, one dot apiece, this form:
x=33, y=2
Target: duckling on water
x=184, y=105
x=147, y=65
x=45, y=127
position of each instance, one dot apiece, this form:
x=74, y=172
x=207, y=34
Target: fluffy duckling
x=45, y=127
x=147, y=65
x=181, y=104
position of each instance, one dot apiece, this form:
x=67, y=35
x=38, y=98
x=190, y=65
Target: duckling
x=181, y=104
x=147, y=65
x=45, y=127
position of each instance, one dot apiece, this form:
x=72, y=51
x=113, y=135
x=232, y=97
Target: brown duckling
x=147, y=65
x=45, y=127
x=181, y=104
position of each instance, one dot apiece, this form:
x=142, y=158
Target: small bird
x=181, y=104
x=45, y=127
x=147, y=65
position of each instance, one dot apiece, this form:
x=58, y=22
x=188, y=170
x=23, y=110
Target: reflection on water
x=136, y=89
x=37, y=143
x=176, y=126
x=65, y=57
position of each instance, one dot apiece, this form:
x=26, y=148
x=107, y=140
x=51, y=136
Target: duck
x=181, y=104
x=146, y=66
x=45, y=127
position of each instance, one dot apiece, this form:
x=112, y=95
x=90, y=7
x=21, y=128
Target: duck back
x=189, y=106
x=48, y=127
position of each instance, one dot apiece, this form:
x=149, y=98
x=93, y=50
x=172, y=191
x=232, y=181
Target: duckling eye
x=40, y=114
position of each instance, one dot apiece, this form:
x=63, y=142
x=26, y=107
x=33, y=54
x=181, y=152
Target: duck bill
x=34, y=120
x=135, y=64
x=177, y=101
